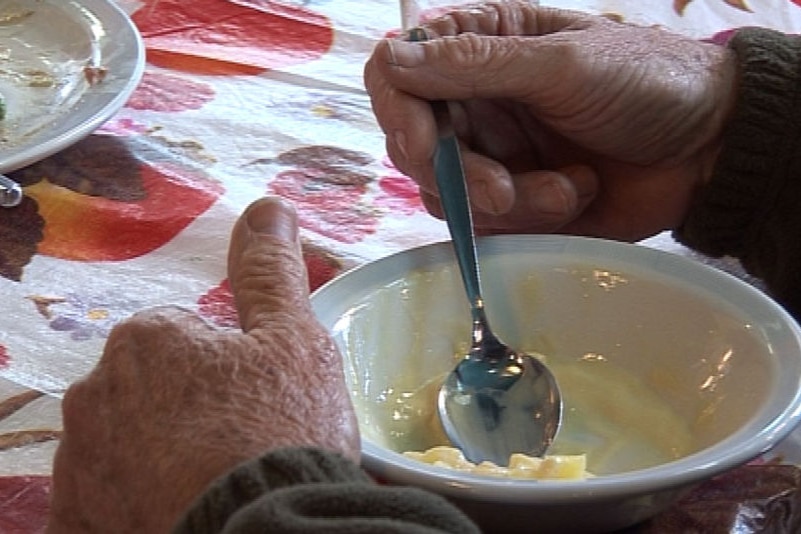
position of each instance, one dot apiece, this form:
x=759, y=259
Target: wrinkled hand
x=569, y=122
x=174, y=402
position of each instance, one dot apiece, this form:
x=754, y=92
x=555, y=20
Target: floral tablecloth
x=239, y=98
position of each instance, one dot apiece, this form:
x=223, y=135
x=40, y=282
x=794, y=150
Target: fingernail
x=550, y=199
x=275, y=217
x=405, y=54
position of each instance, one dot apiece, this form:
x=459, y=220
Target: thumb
x=265, y=264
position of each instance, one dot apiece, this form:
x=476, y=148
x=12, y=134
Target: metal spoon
x=497, y=401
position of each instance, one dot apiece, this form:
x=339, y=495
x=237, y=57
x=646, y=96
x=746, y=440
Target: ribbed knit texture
x=751, y=208
x=303, y=490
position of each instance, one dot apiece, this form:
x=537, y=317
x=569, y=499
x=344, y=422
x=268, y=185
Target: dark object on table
x=752, y=499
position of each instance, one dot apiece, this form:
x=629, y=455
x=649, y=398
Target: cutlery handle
x=456, y=206
x=449, y=172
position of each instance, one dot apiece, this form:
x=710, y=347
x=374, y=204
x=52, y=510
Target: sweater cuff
x=311, y=490
x=279, y=468
x=749, y=209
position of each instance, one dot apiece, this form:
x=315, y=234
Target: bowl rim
x=757, y=435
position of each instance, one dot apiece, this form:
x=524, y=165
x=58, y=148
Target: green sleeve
x=310, y=490
x=751, y=207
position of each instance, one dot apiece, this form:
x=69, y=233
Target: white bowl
x=723, y=357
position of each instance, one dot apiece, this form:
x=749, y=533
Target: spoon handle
x=455, y=204
x=450, y=177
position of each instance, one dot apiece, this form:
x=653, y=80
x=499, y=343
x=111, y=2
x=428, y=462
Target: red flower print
x=24, y=502
x=122, y=230
x=399, y=193
x=217, y=305
x=327, y=183
x=122, y=126
x=165, y=92
x=331, y=210
x=321, y=266
x=231, y=36
x=4, y=357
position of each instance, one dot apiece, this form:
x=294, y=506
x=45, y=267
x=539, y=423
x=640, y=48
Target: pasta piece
x=551, y=467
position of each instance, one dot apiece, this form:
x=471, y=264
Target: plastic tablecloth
x=239, y=98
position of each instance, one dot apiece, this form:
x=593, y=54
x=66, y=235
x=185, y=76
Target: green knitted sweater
x=751, y=207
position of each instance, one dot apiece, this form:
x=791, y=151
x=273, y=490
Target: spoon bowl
x=498, y=401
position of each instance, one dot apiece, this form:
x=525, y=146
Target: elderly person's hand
x=569, y=122
x=174, y=402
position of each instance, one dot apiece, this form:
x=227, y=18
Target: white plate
x=45, y=48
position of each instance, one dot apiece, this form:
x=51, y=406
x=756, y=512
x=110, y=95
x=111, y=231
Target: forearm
x=751, y=207
x=309, y=490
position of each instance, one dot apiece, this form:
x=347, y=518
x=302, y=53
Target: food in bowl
x=620, y=422
x=673, y=338
x=552, y=466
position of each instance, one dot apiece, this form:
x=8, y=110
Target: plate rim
x=50, y=144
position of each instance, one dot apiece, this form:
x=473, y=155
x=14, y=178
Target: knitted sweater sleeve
x=751, y=207
x=310, y=490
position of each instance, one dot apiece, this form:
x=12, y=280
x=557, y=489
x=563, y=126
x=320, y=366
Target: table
x=238, y=99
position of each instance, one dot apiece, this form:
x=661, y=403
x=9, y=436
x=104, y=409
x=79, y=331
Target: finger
x=489, y=184
x=422, y=173
x=504, y=19
x=629, y=208
x=559, y=195
x=488, y=181
x=265, y=264
x=545, y=201
x=406, y=120
x=431, y=204
x=473, y=65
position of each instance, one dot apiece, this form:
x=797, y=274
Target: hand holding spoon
x=497, y=401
